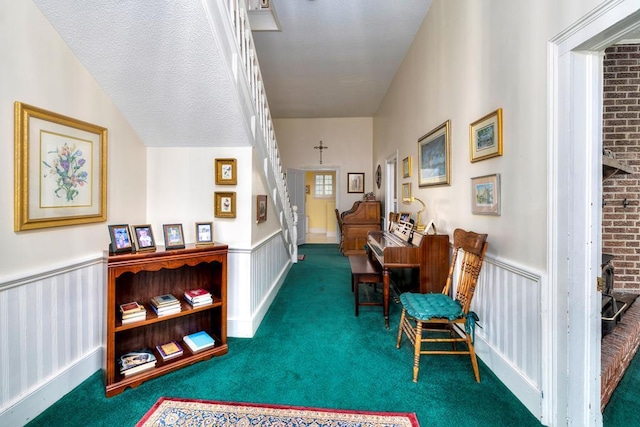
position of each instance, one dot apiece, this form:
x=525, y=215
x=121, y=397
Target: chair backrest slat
x=472, y=246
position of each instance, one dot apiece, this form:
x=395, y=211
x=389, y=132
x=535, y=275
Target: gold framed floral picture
x=60, y=170
x=226, y=173
x=225, y=204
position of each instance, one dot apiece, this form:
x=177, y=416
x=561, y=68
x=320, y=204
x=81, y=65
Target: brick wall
x=621, y=135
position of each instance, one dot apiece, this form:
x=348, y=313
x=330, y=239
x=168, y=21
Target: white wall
x=51, y=281
x=468, y=59
x=350, y=149
x=181, y=187
x=37, y=68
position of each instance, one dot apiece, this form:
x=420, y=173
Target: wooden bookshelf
x=141, y=276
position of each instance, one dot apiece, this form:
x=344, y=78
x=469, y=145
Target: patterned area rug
x=184, y=412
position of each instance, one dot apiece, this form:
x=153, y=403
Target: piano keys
x=402, y=248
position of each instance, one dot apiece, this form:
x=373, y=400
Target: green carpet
x=312, y=351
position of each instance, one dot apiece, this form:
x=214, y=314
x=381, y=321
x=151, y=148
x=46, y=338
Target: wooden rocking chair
x=440, y=313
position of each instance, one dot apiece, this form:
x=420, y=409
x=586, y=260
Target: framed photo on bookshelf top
x=226, y=173
x=204, y=233
x=225, y=204
x=120, y=239
x=355, y=182
x=60, y=170
x=143, y=237
x=434, y=160
x=173, y=236
x=485, y=136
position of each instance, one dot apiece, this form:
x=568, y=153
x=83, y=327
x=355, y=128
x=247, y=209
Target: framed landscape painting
x=60, y=167
x=485, y=195
x=485, y=136
x=434, y=163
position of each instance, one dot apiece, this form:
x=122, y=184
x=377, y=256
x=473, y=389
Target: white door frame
x=571, y=327
x=390, y=187
x=329, y=168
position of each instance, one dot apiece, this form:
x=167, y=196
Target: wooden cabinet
x=356, y=224
x=142, y=276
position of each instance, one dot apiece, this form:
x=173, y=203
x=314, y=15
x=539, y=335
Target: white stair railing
x=266, y=140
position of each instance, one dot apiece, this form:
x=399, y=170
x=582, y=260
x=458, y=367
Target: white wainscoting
x=51, y=337
x=507, y=301
x=257, y=276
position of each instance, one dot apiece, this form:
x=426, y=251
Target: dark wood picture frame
x=173, y=236
x=120, y=239
x=261, y=208
x=355, y=182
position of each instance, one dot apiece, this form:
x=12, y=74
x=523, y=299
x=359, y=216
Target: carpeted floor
x=311, y=351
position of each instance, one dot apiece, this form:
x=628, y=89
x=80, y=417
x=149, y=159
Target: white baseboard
x=247, y=327
x=528, y=394
x=33, y=403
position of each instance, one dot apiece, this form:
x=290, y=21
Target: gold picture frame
x=225, y=204
x=406, y=192
x=485, y=137
x=226, y=173
x=204, y=233
x=434, y=156
x=60, y=170
x=406, y=167
x=143, y=238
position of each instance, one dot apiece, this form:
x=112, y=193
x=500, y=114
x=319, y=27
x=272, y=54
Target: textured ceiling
x=335, y=58
x=160, y=64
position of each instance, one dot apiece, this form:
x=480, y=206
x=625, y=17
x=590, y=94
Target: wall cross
x=320, y=147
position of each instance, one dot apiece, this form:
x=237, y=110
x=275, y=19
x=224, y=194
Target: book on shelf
x=132, y=319
x=136, y=361
x=196, y=295
x=169, y=350
x=162, y=300
x=131, y=308
x=199, y=341
x=201, y=303
x=165, y=311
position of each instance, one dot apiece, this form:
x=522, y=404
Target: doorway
x=321, y=200
x=571, y=330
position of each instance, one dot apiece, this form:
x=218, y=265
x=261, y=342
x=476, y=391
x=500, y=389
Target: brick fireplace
x=621, y=206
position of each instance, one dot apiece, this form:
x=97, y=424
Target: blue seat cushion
x=428, y=306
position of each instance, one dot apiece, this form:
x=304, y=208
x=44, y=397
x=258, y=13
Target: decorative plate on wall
x=378, y=176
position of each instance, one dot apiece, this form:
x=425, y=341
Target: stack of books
x=198, y=341
x=166, y=304
x=132, y=312
x=169, y=350
x=136, y=361
x=198, y=297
